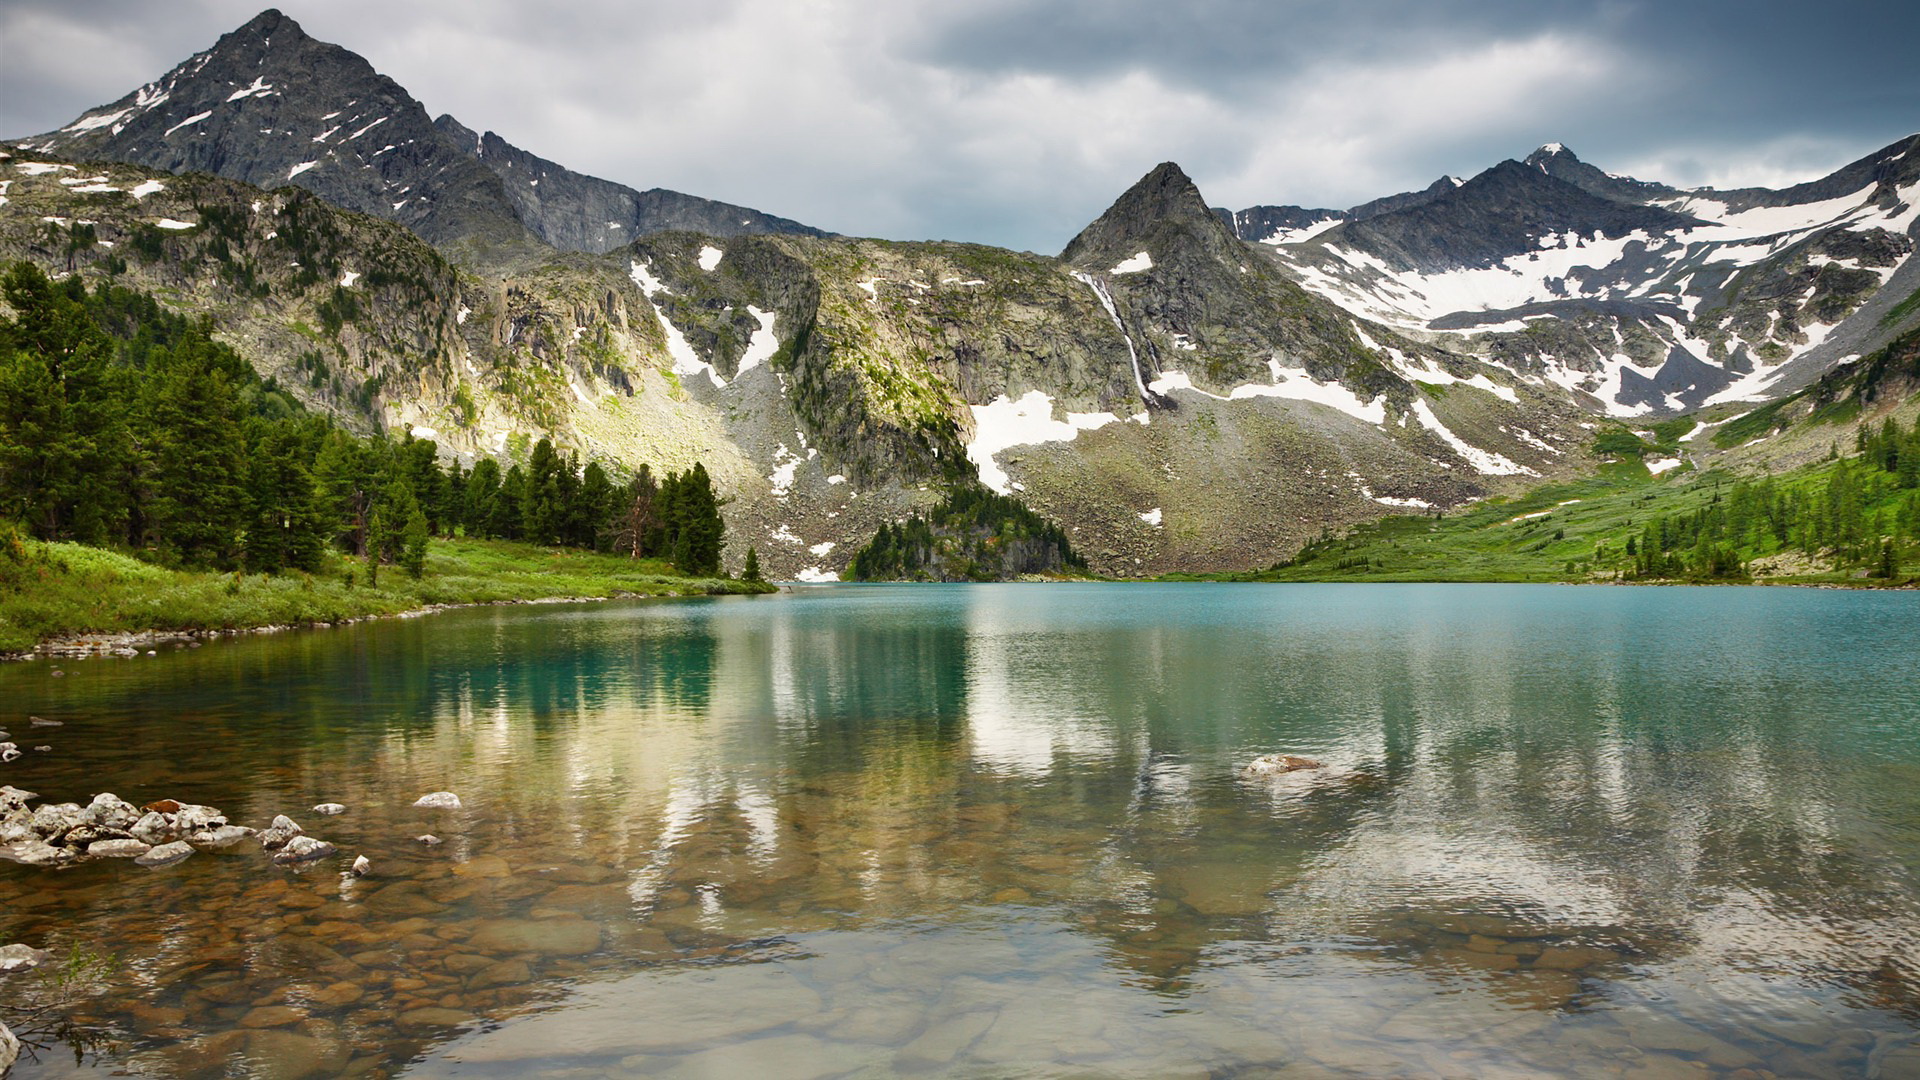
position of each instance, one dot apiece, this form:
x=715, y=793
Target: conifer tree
x=62, y=413
x=482, y=488
x=413, y=544
x=199, y=454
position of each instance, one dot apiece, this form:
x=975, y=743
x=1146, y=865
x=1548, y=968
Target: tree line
x=1864, y=515
x=124, y=425
x=971, y=535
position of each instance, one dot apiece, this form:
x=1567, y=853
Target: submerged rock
x=1273, y=764
x=303, y=849
x=9, y=1049
x=18, y=957
x=428, y=839
x=439, y=800
x=165, y=854
x=220, y=836
x=329, y=809
x=546, y=937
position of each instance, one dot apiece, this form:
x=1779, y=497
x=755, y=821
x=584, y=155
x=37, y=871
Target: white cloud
x=870, y=119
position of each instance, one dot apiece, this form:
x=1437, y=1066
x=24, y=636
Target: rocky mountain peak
x=1506, y=210
x=1161, y=206
x=268, y=105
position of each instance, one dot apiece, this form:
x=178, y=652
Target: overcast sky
x=1015, y=122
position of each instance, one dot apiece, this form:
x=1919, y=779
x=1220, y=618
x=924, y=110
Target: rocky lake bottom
x=1001, y=831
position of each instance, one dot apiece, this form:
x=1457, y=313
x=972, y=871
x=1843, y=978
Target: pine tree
x=543, y=510
x=482, y=489
x=286, y=526
x=63, y=432
x=192, y=414
x=594, y=507
x=751, y=571
x=413, y=544
x=505, y=520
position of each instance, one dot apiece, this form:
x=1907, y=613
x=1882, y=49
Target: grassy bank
x=52, y=591
x=1581, y=532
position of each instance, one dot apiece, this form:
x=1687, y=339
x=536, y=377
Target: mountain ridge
x=268, y=105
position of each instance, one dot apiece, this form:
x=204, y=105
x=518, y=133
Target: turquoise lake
x=1005, y=831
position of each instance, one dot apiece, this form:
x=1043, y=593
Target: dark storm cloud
x=1015, y=121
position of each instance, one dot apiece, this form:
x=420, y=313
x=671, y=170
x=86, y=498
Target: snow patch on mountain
x=710, y=257
x=194, y=119
x=685, y=360
x=1486, y=462
x=1137, y=262
x=1003, y=423
x=763, y=344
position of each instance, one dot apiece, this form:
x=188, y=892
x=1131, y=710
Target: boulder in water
x=439, y=800
x=154, y=827
x=20, y=958
x=58, y=819
x=191, y=818
x=165, y=854
x=279, y=833
x=127, y=848
x=329, y=809
x=428, y=839
x=302, y=849
x=112, y=812
x=361, y=865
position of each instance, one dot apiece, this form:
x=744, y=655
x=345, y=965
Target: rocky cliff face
x=269, y=106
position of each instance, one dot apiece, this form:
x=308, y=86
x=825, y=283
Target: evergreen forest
x=125, y=426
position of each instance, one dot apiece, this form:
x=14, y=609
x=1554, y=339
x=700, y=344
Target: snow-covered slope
x=1639, y=297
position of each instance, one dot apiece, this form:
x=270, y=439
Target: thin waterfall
x=1106, y=301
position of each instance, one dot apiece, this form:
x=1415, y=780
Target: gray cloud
x=1016, y=121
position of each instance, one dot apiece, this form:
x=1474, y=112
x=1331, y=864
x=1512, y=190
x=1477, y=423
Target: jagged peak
x=1166, y=193
x=1554, y=152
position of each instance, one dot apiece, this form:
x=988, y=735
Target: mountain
x=1637, y=297
x=268, y=105
x=1200, y=412
x=1181, y=389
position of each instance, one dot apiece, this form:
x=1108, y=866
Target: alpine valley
x=1181, y=389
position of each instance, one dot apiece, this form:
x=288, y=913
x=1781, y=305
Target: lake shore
x=70, y=600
